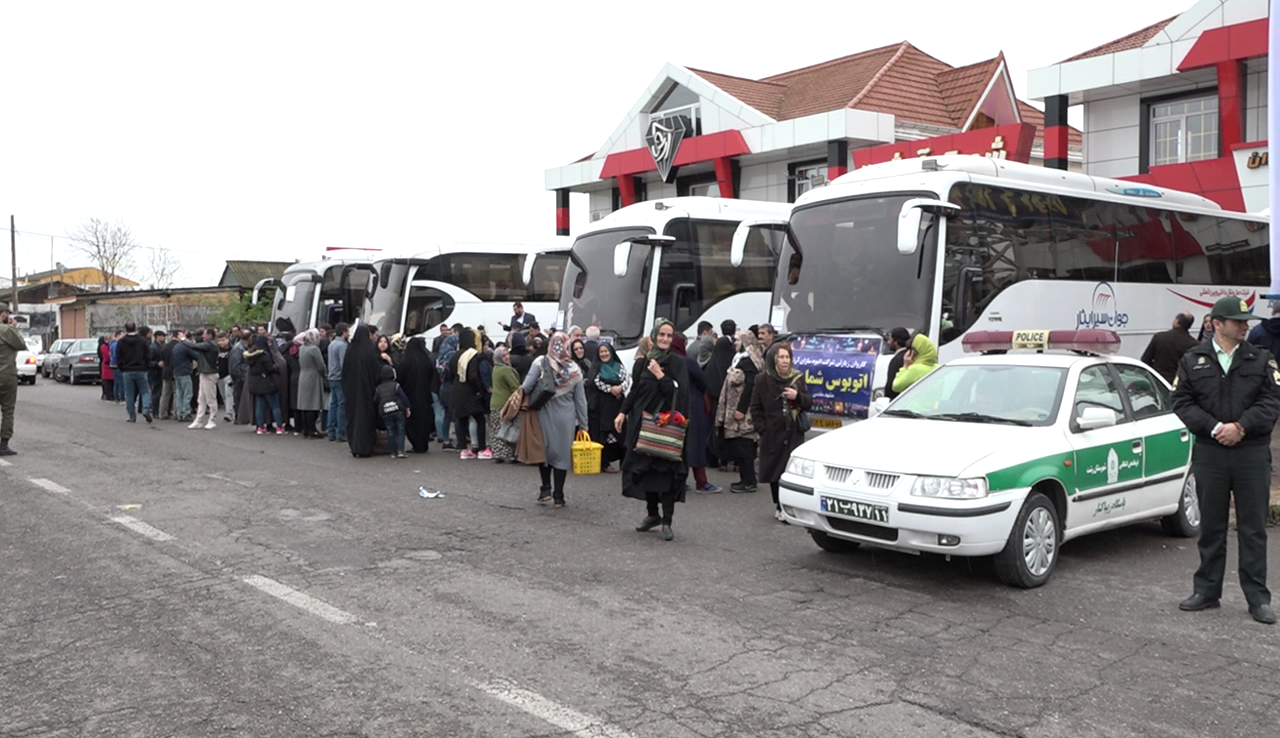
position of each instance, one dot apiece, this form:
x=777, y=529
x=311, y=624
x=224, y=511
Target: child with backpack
x=393, y=407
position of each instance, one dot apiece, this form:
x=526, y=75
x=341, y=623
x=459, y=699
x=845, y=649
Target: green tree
x=245, y=311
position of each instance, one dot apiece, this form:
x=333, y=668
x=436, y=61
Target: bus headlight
x=950, y=487
x=800, y=467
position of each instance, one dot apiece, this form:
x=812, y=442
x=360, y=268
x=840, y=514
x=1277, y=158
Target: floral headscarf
x=749, y=347
x=561, y=363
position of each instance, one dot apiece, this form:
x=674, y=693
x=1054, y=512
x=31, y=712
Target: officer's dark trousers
x=1246, y=472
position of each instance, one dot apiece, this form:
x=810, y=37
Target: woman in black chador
x=359, y=378
x=417, y=372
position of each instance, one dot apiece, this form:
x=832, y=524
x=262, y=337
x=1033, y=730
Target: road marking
x=138, y=526
x=50, y=486
x=565, y=718
x=300, y=600
x=4, y=463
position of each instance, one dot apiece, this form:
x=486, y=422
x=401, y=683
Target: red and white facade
x=1181, y=103
x=694, y=132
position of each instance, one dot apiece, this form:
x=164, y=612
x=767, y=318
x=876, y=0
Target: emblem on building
x=664, y=137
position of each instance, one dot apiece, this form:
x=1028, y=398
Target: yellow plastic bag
x=586, y=454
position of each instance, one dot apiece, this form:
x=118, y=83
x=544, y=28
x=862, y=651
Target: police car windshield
x=841, y=264
x=978, y=393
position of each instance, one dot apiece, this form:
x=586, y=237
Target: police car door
x=1108, y=460
x=1166, y=442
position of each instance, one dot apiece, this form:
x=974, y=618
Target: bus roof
x=925, y=173
x=656, y=213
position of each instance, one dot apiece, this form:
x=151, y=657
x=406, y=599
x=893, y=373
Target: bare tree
x=109, y=245
x=163, y=268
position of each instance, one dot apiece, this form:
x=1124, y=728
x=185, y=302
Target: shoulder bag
x=545, y=389
x=662, y=434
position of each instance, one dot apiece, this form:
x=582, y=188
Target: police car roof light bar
x=1087, y=341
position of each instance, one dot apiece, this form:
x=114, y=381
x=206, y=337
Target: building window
x=808, y=178
x=1184, y=130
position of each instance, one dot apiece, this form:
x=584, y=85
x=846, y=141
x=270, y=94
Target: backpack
x=389, y=404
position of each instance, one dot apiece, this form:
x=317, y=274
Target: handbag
x=804, y=423
x=544, y=390
x=509, y=431
x=662, y=435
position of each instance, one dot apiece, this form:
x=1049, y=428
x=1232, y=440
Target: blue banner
x=838, y=371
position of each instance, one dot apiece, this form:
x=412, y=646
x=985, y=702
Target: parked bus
x=953, y=244
x=309, y=294
x=468, y=283
x=612, y=282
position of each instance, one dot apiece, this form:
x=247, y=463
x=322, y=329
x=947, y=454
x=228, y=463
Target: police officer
x=10, y=344
x=1227, y=392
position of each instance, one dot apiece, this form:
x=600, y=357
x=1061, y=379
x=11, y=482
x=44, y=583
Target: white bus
x=953, y=244
x=468, y=283
x=612, y=282
x=309, y=294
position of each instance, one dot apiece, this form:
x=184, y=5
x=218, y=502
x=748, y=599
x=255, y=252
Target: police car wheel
x=1185, y=523
x=1031, y=553
x=831, y=543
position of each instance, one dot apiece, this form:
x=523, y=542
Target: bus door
x=355, y=287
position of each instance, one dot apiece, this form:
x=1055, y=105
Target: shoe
x=499, y=461
x=226, y=418
x=210, y=425
x=558, y=504
x=1263, y=614
x=281, y=431
x=146, y=417
x=778, y=516
x=485, y=454
x=342, y=439
x=1197, y=602
x=740, y=488
x=610, y=470
x=709, y=489
x=648, y=524
x=544, y=494
x=468, y=454
x=332, y=439
x=194, y=425
x=262, y=431
x=131, y=420
x=667, y=535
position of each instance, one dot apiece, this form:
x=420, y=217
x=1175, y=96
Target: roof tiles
x=1135, y=40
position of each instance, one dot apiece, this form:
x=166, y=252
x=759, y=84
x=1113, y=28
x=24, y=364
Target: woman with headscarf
x=780, y=396
x=311, y=382
x=417, y=374
x=106, y=375
x=384, y=351
x=468, y=399
x=607, y=386
x=736, y=429
x=396, y=348
x=521, y=359
x=505, y=383
x=700, y=425
x=578, y=349
x=564, y=412
x=660, y=382
x=293, y=363
x=360, y=371
x=716, y=369
x=282, y=381
x=444, y=368
x=263, y=385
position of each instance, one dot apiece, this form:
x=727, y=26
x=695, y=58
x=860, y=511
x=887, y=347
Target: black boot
x=5, y=450
x=544, y=493
x=649, y=523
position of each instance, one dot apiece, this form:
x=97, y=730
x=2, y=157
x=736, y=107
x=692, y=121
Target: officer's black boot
x=5, y=450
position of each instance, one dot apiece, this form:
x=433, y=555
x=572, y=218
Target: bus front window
x=592, y=295
x=293, y=313
x=841, y=269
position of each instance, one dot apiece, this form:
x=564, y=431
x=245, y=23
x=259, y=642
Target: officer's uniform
x=1205, y=397
x=10, y=344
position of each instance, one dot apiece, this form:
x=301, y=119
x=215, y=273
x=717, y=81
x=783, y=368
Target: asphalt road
x=165, y=582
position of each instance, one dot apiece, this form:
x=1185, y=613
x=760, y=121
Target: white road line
x=137, y=526
x=567, y=719
x=300, y=600
x=50, y=486
x=4, y=463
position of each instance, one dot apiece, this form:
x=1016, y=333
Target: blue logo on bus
x=1103, y=311
x=1135, y=191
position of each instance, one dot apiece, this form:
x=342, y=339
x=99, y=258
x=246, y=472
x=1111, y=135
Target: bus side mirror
x=621, y=258
x=528, y=270
x=738, y=248
x=910, y=235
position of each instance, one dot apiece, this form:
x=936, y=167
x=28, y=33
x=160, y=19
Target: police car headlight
x=950, y=487
x=800, y=467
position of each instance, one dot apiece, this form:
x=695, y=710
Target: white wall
x=1111, y=136
x=764, y=182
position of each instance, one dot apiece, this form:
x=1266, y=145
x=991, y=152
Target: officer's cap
x=1232, y=308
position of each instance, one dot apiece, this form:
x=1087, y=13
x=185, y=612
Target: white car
x=29, y=360
x=1004, y=454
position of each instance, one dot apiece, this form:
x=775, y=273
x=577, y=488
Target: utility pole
x=13, y=250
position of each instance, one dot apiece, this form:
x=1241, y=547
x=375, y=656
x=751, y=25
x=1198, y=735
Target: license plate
x=861, y=510
x=827, y=423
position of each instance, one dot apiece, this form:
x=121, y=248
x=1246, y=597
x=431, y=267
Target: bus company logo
x=664, y=137
x=1210, y=295
x=1102, y=311
x=1135, y=191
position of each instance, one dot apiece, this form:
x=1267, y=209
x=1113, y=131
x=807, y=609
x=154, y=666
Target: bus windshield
x=293, y=308
x=841, y=269
x=594, y=296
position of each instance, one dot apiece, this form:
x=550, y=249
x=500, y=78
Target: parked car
x=79, y=363
x=29, y=360
x=54, y=353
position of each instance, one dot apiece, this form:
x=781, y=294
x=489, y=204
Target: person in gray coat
x=560, y=417
x=311, y=382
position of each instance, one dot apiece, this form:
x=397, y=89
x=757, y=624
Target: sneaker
x=210, y=425
x=468, y=454
x=281, y=431
x=485, y=454
x=558, y=504
x=709, y=489
x=739, y=487
x=262, y=431
x=226, y=418
x=146, y=417
x=195, y=424
x=131, y=420
x=778, y=516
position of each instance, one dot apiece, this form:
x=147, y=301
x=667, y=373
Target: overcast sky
x=271, y=130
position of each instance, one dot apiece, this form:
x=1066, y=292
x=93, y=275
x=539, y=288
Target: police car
x=1007, y=453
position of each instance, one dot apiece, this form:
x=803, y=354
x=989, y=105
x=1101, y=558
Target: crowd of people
x=733, y=396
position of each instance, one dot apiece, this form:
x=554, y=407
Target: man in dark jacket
x=155, y=371
x=237, y=370
x=899, y=339
x=1227, y=392
x=168, y=392
x=1267, y=333
x=133, y=357
x=206, y=353
x=1167, y=347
